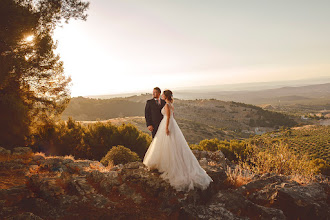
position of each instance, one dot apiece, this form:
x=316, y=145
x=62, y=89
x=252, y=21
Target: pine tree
x=33, y=87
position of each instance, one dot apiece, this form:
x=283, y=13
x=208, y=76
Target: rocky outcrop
x=37, y=187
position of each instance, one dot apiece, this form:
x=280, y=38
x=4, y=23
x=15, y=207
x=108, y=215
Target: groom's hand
x=151, y=128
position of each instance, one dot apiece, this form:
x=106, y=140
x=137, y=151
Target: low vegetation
x=276, y=157
x=91, y=141
x=119, y=155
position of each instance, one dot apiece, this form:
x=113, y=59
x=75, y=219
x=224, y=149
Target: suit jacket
x=152, y=112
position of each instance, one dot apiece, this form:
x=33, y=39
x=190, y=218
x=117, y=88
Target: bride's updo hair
x=169, y=95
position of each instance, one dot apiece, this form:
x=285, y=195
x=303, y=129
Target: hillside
x=199, y=119
x=33, y=186
x=298, y=98
x=312, y=140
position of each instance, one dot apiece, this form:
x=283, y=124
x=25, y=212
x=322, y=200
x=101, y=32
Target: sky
x=130, y=46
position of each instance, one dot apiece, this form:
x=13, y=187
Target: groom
x=152, y=111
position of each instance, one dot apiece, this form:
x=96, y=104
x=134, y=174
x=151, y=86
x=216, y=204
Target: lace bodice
x=171, y=110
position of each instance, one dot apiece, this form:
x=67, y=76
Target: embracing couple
x=169, y=152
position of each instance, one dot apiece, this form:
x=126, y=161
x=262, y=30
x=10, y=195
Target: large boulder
x=297, y=201
x=304, y=202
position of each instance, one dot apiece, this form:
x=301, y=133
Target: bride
x=171, y=155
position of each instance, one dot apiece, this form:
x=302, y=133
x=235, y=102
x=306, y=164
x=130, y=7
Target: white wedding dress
x=171, y=155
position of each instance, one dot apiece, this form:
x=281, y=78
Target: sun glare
x=29, y=38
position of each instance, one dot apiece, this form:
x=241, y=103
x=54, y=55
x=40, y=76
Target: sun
x=29, y=38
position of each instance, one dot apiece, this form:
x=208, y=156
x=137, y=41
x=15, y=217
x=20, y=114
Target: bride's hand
x=167, y=131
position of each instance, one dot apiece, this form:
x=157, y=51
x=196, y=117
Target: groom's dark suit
x=153, y=115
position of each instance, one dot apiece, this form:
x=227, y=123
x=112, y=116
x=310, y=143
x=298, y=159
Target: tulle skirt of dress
x=171, y=155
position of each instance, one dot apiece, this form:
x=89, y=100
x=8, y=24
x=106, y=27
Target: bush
x=233, y=150
x=134, y=139
x=281, y=160
x=119, y=155
x=195, y=147
x=88, y=142
x=209, y=145
x=321, y=166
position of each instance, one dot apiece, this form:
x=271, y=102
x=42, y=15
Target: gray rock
x=207, y=212
x=239, y=205
x=22, y=151
x=38, y=158
x=46, y=187
x=216, y=157
x=79, y=186
x=75, y=189
x=25, y=216
x=4, y=152
x=203, y=161
x=67, y=160
x=106, y=180
x=303, y=202
x=133, y=165
x=33, y=168
x=124, y=189
x=75, y=167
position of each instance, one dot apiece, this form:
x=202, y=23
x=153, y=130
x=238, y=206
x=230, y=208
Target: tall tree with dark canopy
x=33, y=86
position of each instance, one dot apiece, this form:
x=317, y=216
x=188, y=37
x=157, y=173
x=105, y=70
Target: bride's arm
x=167, y=110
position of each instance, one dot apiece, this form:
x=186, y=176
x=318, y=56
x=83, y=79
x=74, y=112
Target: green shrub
x=195, y=147
x=99, y=137
x=232, y=150
x=209, y=145
x=90, y=141
x=321, y=166
x=134, y=139
x=119, y=155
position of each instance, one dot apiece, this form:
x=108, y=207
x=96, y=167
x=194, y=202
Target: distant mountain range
x=212, y=91
x=316, y=94
x=254, y=86
x=310, y=94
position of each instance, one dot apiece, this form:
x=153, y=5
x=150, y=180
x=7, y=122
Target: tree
x=33, y=87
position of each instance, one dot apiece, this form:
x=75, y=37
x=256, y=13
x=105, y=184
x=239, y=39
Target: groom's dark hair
x=158, y=89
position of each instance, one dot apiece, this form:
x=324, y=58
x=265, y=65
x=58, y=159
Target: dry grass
x=303, y=180
x=277, y=159
x=238, y=176
x=69, y=157
x=280, y=159
x=40, y=153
